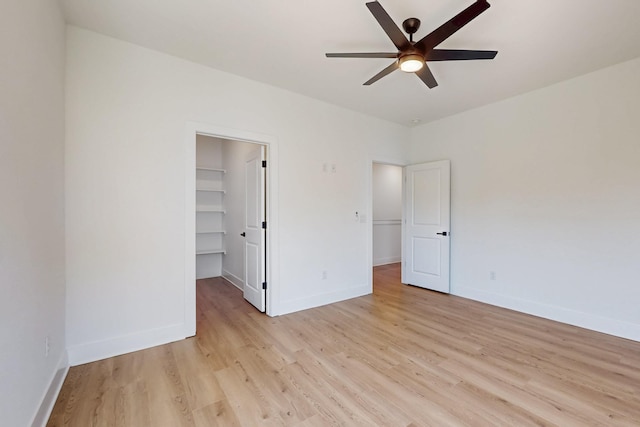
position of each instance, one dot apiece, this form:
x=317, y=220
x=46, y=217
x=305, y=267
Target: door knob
x=444, y=233
x=243, y=234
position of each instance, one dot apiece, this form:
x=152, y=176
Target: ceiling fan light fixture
x=412, y=56
x=411, y=63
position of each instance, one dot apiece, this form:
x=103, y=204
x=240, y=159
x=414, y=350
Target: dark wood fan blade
x=443, y=32
x=426, y=76
x=395, y=34
x=391, y=68
x=363, y=55
x=459, y=55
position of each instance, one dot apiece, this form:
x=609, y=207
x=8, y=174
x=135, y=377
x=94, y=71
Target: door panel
x=429, y=264
x=425, y=258
x=254, y=242
x=426, y=197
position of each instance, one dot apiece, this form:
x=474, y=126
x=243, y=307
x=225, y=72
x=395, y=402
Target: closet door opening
x=386, y=213
x=231, y=214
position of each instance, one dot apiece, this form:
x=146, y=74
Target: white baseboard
x=385, y=261
x=233, y=279
x=98, y=350
x=51, y=394
x=305, y=303
x=618, y=328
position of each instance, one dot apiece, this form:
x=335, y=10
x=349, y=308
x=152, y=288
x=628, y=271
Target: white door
x=255, y=230
x=425, y=245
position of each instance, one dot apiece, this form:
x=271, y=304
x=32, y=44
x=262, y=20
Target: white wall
x=127, y=109
x=387, y=213
x=32, y=276
x=234, y=155
x=545, y=192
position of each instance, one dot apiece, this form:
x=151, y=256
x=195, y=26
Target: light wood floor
x=403, y=356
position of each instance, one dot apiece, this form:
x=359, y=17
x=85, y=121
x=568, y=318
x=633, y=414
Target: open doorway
x=386, y=214
x=411, y=222
x=230, y=214
x=228, y=209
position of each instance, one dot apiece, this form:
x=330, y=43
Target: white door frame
x=394, y=162
x=272, y=261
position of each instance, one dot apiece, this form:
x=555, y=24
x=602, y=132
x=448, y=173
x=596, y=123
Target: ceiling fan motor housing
x=411, y=26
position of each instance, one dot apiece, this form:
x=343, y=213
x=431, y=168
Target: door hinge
x=264, y=285
x=264, y=224
x=264, y=163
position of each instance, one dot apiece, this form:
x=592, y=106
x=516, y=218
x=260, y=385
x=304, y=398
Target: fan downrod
x=410, y=26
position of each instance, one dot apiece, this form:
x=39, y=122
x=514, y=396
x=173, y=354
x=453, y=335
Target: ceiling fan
x=412, y=57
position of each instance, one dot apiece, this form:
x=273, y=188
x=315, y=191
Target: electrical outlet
x=324, y=274
x=492, y=275
x=47, y=347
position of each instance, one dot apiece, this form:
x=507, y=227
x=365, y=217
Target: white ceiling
x=283, y=42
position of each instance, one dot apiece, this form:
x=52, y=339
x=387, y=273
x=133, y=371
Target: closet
x=220, y=208
x=210, y=208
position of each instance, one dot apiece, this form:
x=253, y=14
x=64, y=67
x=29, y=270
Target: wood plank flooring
x=403, y=356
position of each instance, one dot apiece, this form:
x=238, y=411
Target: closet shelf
x=204, y=168
x=212, y=190
x=210, y=195
x=201, y=208
x=211, y=251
